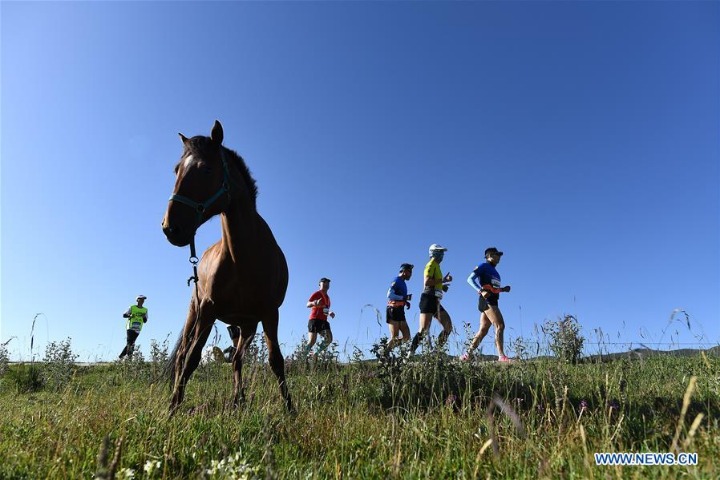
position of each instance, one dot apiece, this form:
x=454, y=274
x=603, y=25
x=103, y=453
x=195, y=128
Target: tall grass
x=393, y=417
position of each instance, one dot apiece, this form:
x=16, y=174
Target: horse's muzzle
x=176, y=235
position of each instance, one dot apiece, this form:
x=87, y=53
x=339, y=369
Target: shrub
x=136, y=362
x=358, y=356
x=566, y=342
x=300, y=350
x=256, y=352
x=329, y=355
x=158, y=359
x=425, y=380
x=134, y=367
x=521, y=347
x=4, y=359
x=159, y=352
x=302, y=362
x=59, y=364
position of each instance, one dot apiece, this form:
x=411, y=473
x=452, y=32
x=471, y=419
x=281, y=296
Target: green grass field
x=430, y=417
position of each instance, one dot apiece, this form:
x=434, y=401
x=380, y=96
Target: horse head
x=202, y=186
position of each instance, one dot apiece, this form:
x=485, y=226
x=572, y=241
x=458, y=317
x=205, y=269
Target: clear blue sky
x=581, y=138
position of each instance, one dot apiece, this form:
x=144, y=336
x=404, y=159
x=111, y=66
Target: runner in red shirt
x=319, y=303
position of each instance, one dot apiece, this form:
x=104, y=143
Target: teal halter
x=201, y=207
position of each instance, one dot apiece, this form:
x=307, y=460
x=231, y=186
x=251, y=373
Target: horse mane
x=245, y=173
x=201, y=144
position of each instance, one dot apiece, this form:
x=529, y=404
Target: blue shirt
x=398, y=289
x=485, y=274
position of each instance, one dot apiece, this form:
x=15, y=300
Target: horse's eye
x=208, y=170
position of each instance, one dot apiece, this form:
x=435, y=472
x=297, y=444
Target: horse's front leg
x=247, y=334
x=275, y=357
x=195, y=333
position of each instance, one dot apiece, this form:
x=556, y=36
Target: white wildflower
x=151, y=466
x=233, y=467
x=126, y=473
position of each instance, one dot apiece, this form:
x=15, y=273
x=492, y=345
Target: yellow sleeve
x=428, y=270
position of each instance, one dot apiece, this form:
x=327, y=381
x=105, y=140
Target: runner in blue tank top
x=398, y=301
x=485, y=279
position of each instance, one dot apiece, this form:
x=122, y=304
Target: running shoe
x=465, y=357
x=505, y=359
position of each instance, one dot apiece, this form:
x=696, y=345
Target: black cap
x=323, y=279
x=406, y=266
x=490, y=250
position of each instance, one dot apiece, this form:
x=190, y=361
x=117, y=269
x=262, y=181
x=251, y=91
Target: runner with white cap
x=137, y=316
x=435, y=286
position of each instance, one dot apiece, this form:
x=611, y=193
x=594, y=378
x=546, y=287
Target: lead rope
x=194, y=262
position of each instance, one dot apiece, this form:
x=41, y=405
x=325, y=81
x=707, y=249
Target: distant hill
x=649, y=352
x=637, y=353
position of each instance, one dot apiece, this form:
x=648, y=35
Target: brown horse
x=241, y=279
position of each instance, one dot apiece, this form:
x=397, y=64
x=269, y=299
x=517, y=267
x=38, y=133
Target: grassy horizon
x=429, y=417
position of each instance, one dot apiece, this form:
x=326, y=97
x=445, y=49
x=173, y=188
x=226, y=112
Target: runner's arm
x=314, y=301
x=474, y=282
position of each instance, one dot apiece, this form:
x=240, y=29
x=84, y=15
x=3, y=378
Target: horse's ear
x=217, y=134
x=184, y=139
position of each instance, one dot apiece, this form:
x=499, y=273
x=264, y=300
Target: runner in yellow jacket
x=137, y=316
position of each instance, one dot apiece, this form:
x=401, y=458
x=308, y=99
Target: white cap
x=436, y=248
x=141, y=297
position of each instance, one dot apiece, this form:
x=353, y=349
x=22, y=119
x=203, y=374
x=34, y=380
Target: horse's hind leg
x=247, y=334
x=277, y=362
x=178, y=359
x=195, y=334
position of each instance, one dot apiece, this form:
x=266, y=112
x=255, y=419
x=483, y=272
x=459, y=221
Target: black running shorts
x=395, y=314
x=317, y=326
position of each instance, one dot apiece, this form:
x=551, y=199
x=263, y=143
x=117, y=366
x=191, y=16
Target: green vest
x=136, y=320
